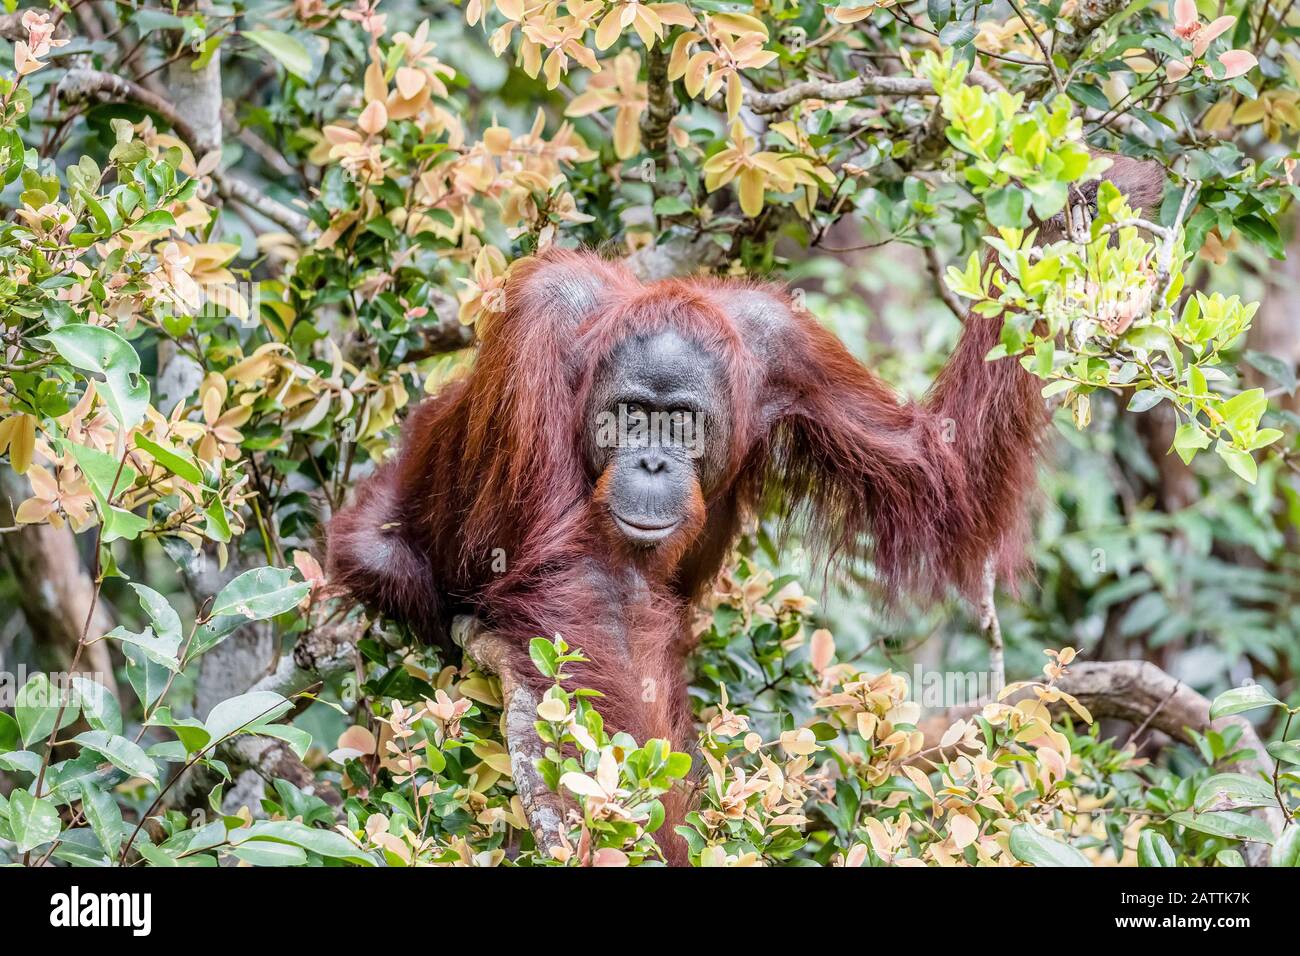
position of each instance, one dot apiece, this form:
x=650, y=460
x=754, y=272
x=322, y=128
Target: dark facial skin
x=657, y=433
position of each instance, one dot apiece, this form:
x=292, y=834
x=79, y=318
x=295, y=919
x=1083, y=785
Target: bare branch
x=991, y=626
x=676, y=257
x=1042, y=47
x=239, y=191
x=544, y=808
x=1164, y=264
x=875, y=85
x=327, y=648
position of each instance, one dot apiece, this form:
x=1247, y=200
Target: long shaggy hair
x=489, y=507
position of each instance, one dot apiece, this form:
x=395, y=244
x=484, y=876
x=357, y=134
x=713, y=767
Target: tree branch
x=875, y=85
x=447, y=334
x=1140, y=693
x=661, y=105
x=1089, y=16
x=991, y=626
x=544, y=808
x=677, y=256
x=241, y=192
x=327, y=648
x=54, y=591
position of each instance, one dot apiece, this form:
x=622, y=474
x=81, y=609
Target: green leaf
x=1280, y=370
x=1089, y=94
x=94, y=349
x=267, y=853
x=155, y=221
x=166, y=623
x=543, y=655
x=1239, y=461
x=678, y=765
x=176, y=460
x=36, y=707
x=1286, y=852
x=104, y=816
x=299, y=740
x=155, y=855
x=191, y=731
x=148, y=678
x=1241, y=699
x=253, y=596
x=23, y=760
x=1243, y=411
x=326, y=843
x=124, y=754
x=107, y=476
x=1154, y=850
x=1287, y=751
x=119, y=523
x=148, y=20
x=1227, y=823
x=957, y=34
x=80, y=848
x=288, y=50
x=1030, y=845
x=1006, y=207
x=161, y=650
x=1145, y=400
x=217, y=527
x=670, y=206
x=245, y=712
x=98, y=705
x=34, y=821
x=1230, y=791
x=9, y=736
x=1188, y=440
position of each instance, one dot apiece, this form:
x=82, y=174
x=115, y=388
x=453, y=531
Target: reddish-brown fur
x=929, y=491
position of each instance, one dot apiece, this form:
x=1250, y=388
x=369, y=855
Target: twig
x=935, y=265
x=144, y=817
x=1089, y=17
x=1164, y=263
x=81, y=643
x=991, y=626
x=1042, y=47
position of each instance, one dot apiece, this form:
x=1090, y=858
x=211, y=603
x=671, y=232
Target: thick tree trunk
x=53, y=588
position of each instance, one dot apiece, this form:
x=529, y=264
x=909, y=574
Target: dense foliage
x=239, y=240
